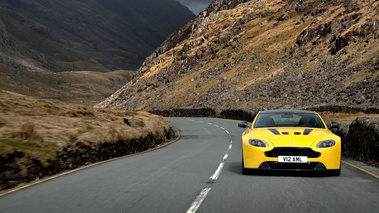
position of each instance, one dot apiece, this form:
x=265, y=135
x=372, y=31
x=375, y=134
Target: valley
x=58, y=61
x=78, y=87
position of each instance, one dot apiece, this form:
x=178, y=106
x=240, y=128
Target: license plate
x=292, y=159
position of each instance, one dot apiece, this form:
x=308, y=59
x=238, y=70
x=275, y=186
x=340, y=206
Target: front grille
x=292, y=151
x=290, y=166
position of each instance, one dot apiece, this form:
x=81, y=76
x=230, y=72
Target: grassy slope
x=38, y=128
x=347, y=118
x=82, y=87
x=94, y=35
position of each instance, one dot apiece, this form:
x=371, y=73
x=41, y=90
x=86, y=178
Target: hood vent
x=307, y=131
x=275, y=131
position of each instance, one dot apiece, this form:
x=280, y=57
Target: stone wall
x=16, y=168
x=237, y=115
x=344, y=109
x=203, y=112
x=360, y=140
x=207, y=113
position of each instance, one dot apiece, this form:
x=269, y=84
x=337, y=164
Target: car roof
x=286, y=111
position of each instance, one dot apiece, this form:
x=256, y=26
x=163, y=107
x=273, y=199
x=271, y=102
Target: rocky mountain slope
x=243, y=54
x=96, y=35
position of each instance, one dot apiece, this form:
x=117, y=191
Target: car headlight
x=258, y=143
x=325, y=144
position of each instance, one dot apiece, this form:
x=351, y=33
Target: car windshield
x=288, y=119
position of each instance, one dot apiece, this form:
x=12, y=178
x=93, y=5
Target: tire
x=244, y=170
x=336, y=172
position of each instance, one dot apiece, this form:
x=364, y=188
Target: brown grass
x=80, y=87
x=39, y=127
x=347, y=117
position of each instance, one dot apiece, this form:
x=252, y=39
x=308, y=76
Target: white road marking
x=216, y=174
x=203, y=194
x=225, y=157
x=199, y=199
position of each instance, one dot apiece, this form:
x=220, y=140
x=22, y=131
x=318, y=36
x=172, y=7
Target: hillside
x=96, y=35
x=79, y=87
x=243, y=54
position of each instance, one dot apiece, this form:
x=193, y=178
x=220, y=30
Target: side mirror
x=334, y=125
x=243, y=124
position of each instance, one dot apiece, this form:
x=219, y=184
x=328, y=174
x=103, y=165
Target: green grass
x=38, y=150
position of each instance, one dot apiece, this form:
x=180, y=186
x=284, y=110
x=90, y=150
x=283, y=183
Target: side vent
x=307, y=131
x=297, y=133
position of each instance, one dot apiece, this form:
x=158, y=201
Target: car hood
x=291, y=136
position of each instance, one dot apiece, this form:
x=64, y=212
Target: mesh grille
x=292, y=166
x=292, y=151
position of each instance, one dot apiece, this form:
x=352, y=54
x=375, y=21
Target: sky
x=196, y=6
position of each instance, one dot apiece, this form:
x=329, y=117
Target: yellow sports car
x=290, y=140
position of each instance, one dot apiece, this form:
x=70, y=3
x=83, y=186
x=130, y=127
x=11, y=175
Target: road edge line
x=363, y=170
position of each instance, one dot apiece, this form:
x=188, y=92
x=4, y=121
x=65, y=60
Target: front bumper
x=267, y=159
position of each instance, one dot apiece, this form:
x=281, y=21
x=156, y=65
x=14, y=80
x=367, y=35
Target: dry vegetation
x=347, y=117
x=80, y=87
x=39, y=128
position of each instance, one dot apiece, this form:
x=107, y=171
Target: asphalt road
x=201, y=172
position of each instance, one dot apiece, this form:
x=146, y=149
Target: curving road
x=201, y=172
